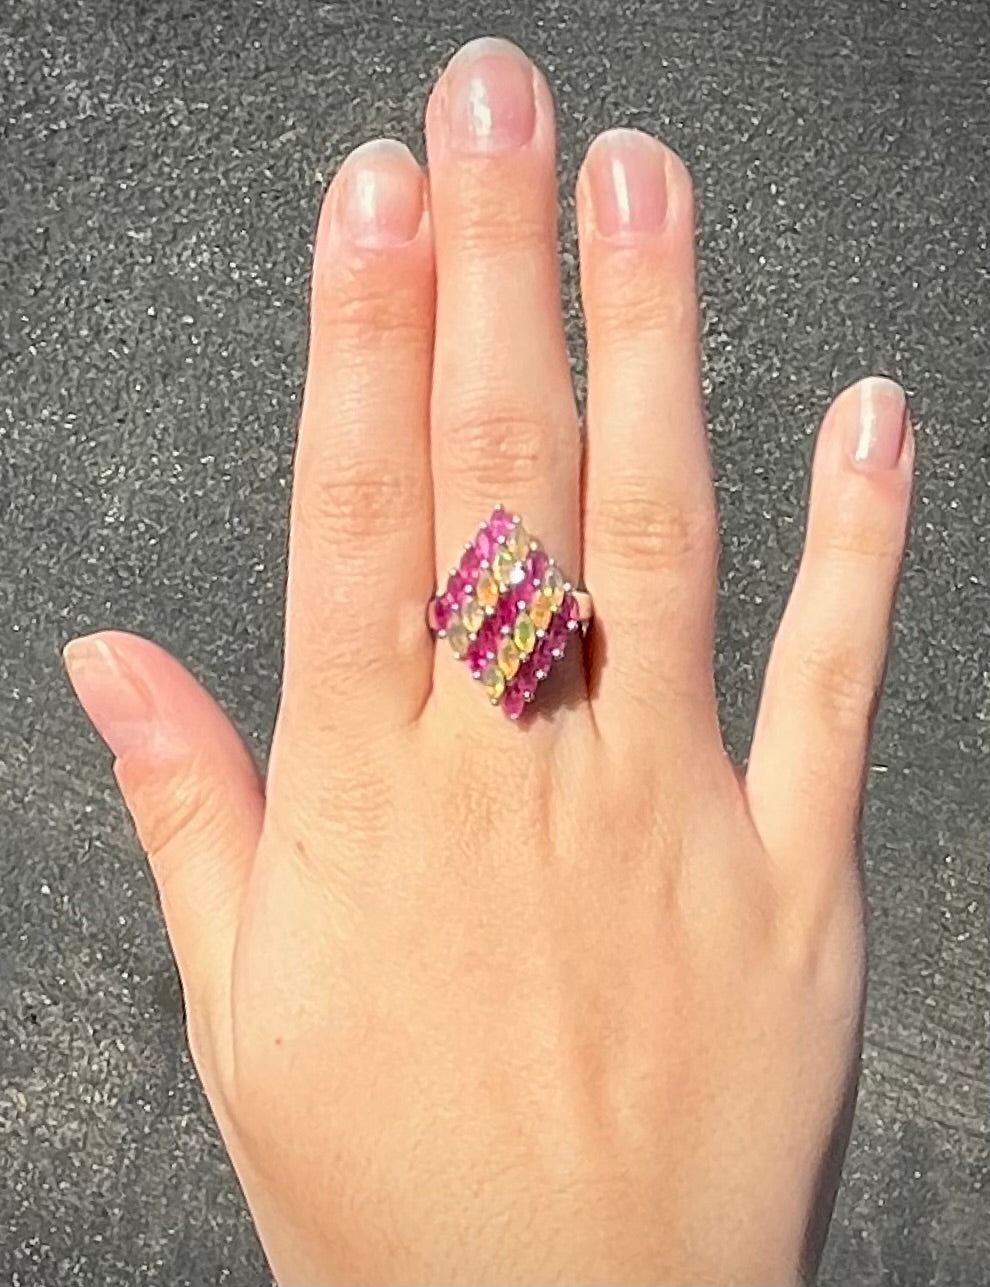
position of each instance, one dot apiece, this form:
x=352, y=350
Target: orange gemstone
x=486, y=589
x=541, y=610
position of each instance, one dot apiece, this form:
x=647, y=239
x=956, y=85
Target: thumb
x=191, y=787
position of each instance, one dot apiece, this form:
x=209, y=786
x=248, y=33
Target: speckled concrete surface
x=161, y=166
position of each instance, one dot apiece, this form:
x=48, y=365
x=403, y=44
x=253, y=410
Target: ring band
x=508, y=612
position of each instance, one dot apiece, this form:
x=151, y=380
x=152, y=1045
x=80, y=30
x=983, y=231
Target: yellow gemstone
x=493, y=682
x=517, y=542
x=486, y=589
x=541, y=610
x=508, y=658
x=524, y=633
x=553, y=585
x=457, y=637
x=502, y=567
x=473, y=615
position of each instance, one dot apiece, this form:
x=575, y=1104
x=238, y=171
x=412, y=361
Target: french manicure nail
x=489, y=104
x=877, y=433
x=381, y=196
x=627, y=173
x=114, y=698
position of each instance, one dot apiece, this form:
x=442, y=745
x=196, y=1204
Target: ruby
x=442, y=611
x=476, y=657
x=484, y=545
x=569, y=609
x=522, y=594
x=538, y=563
x=488, y=637
x=526, y=680
x=500, y=523
x=458, y=587
x=505, y=612
x=514, y=701
x=558, y=634
x=542, y=658
x=470, y=564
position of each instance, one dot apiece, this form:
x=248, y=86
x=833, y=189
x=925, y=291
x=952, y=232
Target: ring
x=508, y=612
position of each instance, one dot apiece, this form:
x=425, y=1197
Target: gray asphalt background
x=160, y=171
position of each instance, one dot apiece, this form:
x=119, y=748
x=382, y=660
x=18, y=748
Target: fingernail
x=381, y=195
x=627, y=174
x=488, y=103
x=877, y=434
x=113, y=697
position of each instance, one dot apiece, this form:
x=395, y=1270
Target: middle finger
x=504, y=423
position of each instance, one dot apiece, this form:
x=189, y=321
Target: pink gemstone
x=558, y=634
x=442, y=610
x=458, y=587
x=513, y=701
x=488, y=637
x=500, y=523
x=538, y=563
x=569, y=608
x=542, y=658
x=470, y=564
x=525, y=680
x=522, y=594
x=476, y=657
x=505, y=612
x=484, y=544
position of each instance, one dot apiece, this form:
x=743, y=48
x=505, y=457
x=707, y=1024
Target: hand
x=572, y=1000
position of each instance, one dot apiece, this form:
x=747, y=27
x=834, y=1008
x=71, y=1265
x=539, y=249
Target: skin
x=570, y=1001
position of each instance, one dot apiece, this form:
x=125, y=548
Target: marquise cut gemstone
x=538, y=563
x=443, y=611
x=553, y=585
x=517, y=542
x=542, y=658
x=500, y=524
x=508, y=657
x=484, y=543
x=527, y=678
x=493, y=681
x=486, y=588
x=458, y=637
x=470, y=563
x=514, y=701
x=473, y=615
x=488, y=636
x=558, y=635
x=505, y=613
x=502, y=565
x=524, y=633
x=541, y=610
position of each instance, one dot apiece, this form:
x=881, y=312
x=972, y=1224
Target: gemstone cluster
x=507, y=612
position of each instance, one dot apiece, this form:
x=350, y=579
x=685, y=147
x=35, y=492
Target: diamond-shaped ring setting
x=507, y=612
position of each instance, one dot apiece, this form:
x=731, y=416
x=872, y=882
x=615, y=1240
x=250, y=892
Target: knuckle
x=500, y=221
x=497, y=450
x=859, y=538
x=636, y=529
x=172, y=811
x=366, y=309
x=636, y=295
x=356, y=497
x=843, y=683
